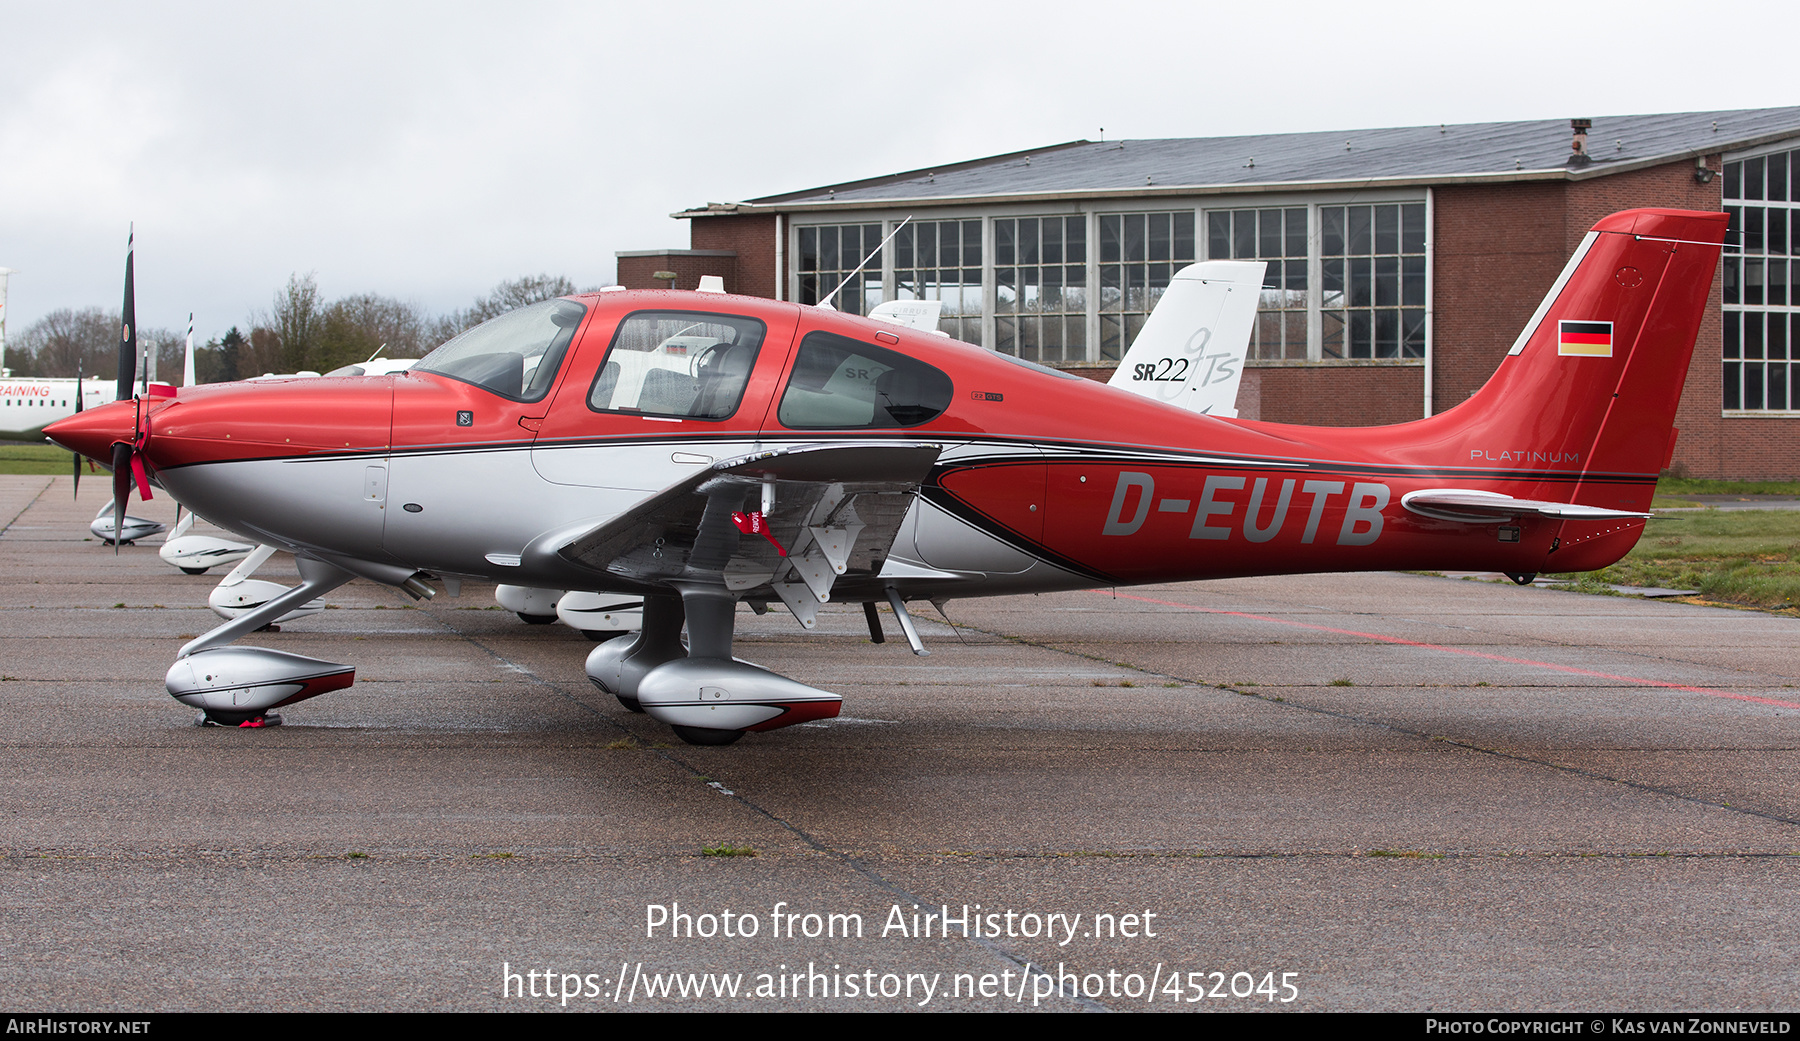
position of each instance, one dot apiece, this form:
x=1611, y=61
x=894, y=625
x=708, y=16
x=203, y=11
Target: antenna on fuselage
x=377, y=353
x=825, y=302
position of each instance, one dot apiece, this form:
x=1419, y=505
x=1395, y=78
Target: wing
x=1479, y=507
x=792, y=523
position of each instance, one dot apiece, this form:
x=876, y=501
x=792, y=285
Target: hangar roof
x=1536, y=149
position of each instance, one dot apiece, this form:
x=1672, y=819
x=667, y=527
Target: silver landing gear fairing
x=195, y=554
x=238, y=594
x=533, y=606
x=600, y=616
x=706, y=695
x=110, y=529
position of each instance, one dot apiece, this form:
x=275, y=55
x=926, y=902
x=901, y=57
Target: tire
x=631, y=704
x=707, y=735
x=536, y=619
x=193, y=571
x=602, y=635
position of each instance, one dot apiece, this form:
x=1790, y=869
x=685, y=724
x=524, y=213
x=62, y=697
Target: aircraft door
x=659, y=393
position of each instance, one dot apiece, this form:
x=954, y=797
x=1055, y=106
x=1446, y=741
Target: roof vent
x=1578, y=153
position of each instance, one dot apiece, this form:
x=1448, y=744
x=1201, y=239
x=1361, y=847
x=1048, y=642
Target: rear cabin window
x=678, y=364
x=844, y=384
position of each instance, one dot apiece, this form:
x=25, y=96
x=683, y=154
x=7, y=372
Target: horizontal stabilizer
x=1478, y=507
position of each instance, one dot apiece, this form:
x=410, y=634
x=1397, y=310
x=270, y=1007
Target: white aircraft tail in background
x=913, y=314
x=1191, y=350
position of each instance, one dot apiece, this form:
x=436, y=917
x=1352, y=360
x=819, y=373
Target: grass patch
x=1590, y=582
x=1745, y=557
x=356, y=854
x=1679, y=486
x=624, y=743
x=1342, y=683
x=1412, y=854
x=19, y=457
x=728, y=851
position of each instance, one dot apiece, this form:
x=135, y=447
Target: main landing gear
x=708, y=697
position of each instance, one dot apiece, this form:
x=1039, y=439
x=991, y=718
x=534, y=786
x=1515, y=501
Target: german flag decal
x=1592, y=339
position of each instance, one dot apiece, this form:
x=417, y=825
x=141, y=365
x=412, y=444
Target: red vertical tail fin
x=1592, y=383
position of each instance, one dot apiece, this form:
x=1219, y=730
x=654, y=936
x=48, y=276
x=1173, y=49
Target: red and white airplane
x=699, y=450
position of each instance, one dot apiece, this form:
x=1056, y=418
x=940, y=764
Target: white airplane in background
x=1192, y=348
x=27, y=406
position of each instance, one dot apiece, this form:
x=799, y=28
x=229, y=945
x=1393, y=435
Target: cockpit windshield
x=515, y=355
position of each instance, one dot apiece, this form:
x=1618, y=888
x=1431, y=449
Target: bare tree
x=67, y=341
x=296, y=321
x=357, y=326
x=61, y=341
x=507, y=296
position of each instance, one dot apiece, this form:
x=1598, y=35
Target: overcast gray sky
x=429, y=151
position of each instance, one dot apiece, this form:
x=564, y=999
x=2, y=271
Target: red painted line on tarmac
x=1380, y=638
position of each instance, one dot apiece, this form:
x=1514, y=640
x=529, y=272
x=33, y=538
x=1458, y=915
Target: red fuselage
x=1046, y=481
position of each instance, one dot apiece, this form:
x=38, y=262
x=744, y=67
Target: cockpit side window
x=516, y=355
x=676, y=363
x=842, y=384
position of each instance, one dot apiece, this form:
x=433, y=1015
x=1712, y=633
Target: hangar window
x=1372, y=270
x=1040, y=288
x=1139, y=255
x=1761, y=284
x=941, y=260
x=832, y=253
x=1279, y=237
x=1346, y=282
x=926, y=260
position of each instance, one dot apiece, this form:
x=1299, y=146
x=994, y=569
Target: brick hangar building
x=1402, y=262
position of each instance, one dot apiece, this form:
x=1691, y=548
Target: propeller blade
x=121, y=468
x=77, y=455
x=128, y=346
